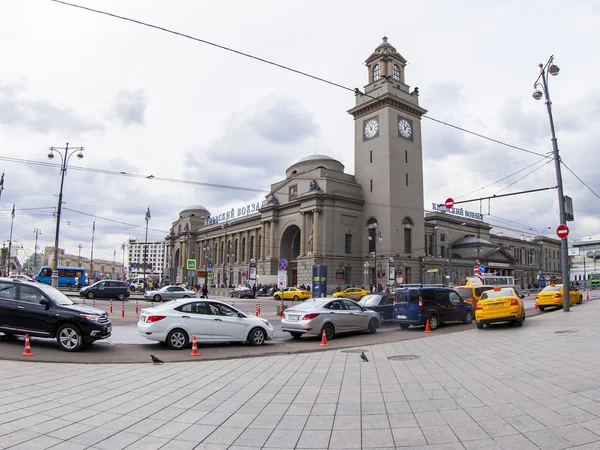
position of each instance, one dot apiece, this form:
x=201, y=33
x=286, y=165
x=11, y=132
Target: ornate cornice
x=382, y=102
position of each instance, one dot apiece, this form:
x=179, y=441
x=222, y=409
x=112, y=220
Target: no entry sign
x=476, y=269
x=449, y=203
x=562, y=231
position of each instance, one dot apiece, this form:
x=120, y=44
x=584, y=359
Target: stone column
x=239, y=248
x=247, y=247
x=272, y=239
x=255, y=253
x=303, y=234
x=263, y=253
x=316, y=231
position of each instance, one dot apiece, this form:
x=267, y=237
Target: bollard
x=110, y=310
x=259, y=308
x=137, y=308
x=256, y=310
x=281, y=310
x=122, y=309
x=94, y=303
x=84, y=300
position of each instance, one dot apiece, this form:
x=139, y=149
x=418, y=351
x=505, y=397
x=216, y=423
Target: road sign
x=191, y=264
x=481, y=268
x=475, y=269
x=210, y=265
x=283, y=264
x=562, y=231
x=252, y=261
x=449, y=203
x=210, y=275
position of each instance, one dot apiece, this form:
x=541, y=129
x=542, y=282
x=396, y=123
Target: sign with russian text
x=456, y=211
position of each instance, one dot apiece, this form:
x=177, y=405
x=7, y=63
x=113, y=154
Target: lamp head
x=51, y=155
x=537, y=94
x=80, y=155
x=553, y=70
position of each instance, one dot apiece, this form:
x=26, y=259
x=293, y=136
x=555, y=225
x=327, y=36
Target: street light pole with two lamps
x=551, y=69
x=147, y=218
x=68, y=152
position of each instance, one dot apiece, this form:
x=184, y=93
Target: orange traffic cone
x=535, y=306
x=194, y=351
x=324, y=340
x=27, y=351
x=587, y=295
x=427, y=327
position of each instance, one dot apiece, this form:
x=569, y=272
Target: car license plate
x=293, y=317
x=400, y=317
x=498, y=305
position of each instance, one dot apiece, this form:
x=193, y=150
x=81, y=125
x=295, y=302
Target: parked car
x=242, y=292
x=20, y=276
x=176, y=322
x=169, y=293
x=472, y=294
x=552, y=295
x=291, y=293
x=106, y=289
x=500, y=305
x=331, y=315
x=382, y=303
x=416, y=305
x=40, y=310
x=352, y=293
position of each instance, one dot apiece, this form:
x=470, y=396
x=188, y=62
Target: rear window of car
x=551, y=289
x=481, y=290
x=496, y=294
x=464, y=292
x=414, y=296
x=309, y=305
x=370, y=300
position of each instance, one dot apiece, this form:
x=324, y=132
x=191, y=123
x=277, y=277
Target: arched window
x=376, y=72
x=408, y=224
x=251, y=247
x=243, y=249
x=259, y=250
x=396, y=72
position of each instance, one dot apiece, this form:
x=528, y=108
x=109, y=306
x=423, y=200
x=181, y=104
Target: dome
x=385, y=46
x=312, y=162
x=470, y=240
x=194, y=210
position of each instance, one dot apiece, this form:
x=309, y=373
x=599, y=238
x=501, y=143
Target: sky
x=164, y=119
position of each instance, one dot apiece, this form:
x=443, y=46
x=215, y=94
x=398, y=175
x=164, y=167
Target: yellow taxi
x=351, y=293
x=471, y=294
x=552, y=295
x=291, y=293
x=500, y=304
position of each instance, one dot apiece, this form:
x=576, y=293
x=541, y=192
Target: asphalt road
x=127, y=346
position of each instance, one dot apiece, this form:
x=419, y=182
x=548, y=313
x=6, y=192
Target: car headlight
x=266, y=322
x=91, y=317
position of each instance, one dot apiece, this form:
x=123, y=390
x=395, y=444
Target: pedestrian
x=254, y=291
x=204, y=291
x=77, y=282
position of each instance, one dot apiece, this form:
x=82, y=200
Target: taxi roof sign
x=474, y=281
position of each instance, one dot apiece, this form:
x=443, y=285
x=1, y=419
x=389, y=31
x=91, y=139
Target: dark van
x=416, y=305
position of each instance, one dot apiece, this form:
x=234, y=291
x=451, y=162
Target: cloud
x=38, y=115
x=130, y=106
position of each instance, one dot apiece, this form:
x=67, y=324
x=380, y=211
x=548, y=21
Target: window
x=348, y=243
x=350, y=305
x=371, y=156
x=443, y=237
x=454, y=298
x=406, y=156
x=407, y=240
x=293, y=194
x=8, y=290
x=376, y=72
x=371, y=185
x=396, y=72
x=407, y=179
x=30, y=295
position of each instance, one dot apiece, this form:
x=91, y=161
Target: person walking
x=204, y=291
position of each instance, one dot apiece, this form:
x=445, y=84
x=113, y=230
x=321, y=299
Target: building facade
x=150, y=255
x=101, y=268
x=367, y=228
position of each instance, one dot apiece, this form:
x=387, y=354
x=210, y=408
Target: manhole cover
x=354, y=350
x=565, y=331
x=403, y=357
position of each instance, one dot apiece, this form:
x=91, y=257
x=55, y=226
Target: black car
x=242, y=292
x=107, y=289
x=40, y=310
x=417, y=305
x=382, y=302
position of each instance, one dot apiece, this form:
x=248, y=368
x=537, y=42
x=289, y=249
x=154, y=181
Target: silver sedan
x=169, y=293
x=332, y=315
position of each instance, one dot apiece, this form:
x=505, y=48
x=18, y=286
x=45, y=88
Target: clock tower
x=388, y=158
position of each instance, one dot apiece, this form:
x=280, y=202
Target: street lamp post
x=10, y=240
x=123, y=247
x=553, y=70
x=79, y=259
x=224, y=226
x=375, y=238
x=146, y=245
x=35, y=267
x=63, y=170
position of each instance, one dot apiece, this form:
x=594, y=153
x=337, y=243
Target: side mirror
x=521, y=296
x=45, y=302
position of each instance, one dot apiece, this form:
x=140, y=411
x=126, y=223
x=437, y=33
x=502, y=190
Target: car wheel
x=519, y=322
x=479, y=325
x=433, y=322
x=257, y=336
x=329, y=331
x=468, y=317
x=277, y=297
x=69, y=338
x=132, y=288
x=296, y=335
x=90, y=295
x=121, y=296
x=177, y=339
x=156, y=298
x=404, y=326
x=541, y=308
x=580, y=300
x=373, y=326
x=296, y=298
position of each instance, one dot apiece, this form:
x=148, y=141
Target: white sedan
x=178, y=321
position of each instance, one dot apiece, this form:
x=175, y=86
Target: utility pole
x=147, y=218
x=35, y=268
x=10, y=239
x=79, y=246
x=123, y=246
x=92, y=254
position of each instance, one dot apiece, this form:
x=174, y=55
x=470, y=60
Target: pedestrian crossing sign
x=191, y=264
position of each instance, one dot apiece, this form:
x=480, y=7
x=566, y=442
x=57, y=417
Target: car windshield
x=480, y=290
x=55, y=294
x=495, y=294
x=309, y=305
x=370, y=300
x=555, y=288
x=464, y=292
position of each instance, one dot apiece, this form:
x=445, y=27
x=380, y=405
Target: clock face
x=371, y=128
x=405, y=128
